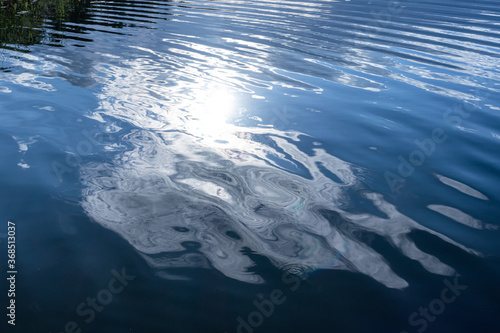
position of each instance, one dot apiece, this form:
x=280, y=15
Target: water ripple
x=260, y=125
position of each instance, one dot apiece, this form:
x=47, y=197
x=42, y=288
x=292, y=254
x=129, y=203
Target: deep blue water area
x=250, y=166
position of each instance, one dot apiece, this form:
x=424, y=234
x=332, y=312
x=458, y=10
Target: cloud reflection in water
x=184, y=201
x=194, y=189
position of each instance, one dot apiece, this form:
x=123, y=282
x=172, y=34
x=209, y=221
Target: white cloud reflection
x=194, y=189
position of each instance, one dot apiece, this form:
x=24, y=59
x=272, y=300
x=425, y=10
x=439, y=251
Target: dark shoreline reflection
x=60, y=23
x=24, y=22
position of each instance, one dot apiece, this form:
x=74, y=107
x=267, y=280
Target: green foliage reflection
x=28, y=22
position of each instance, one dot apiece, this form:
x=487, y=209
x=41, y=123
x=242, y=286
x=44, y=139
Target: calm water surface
x=252, y=166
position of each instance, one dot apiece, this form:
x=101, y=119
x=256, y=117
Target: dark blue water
x=251, y=166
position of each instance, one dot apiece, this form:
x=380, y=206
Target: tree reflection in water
x=28, y=22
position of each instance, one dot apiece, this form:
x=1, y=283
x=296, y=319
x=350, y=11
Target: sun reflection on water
x=210, y=113
x=193, y=176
